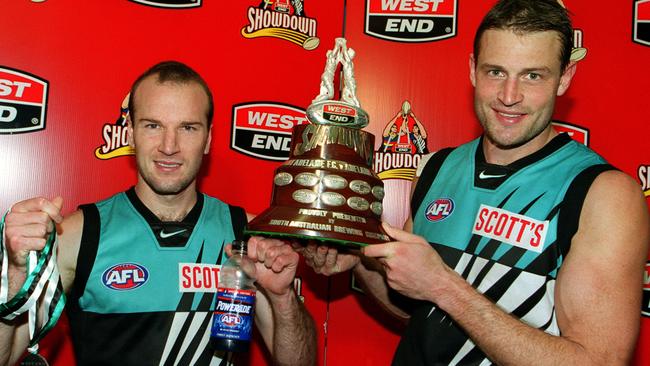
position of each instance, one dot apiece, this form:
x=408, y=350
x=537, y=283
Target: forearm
x=9, y=350
x=13, y=339
x=294, y=333
x=505, y=339
x=371, y=277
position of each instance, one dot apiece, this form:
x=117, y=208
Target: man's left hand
x=276, y=263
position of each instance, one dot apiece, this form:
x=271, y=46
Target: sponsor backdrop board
x=66, y=67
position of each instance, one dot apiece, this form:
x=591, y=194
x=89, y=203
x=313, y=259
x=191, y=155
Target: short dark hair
x=529, y=16
x=175, y=72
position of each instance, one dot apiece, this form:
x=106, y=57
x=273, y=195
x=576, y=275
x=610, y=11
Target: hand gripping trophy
x=327, y=189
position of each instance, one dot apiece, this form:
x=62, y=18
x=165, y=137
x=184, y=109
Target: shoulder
x=614, y=215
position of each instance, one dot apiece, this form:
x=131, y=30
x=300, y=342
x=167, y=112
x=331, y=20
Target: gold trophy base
x=316, y=224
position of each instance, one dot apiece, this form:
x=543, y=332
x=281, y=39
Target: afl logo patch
x=439, y=209
x=125, y=276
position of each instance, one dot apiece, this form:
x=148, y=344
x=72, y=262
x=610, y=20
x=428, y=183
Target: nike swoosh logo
x=164, y=235
x=482, y=175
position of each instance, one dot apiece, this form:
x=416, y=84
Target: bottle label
x=233, y=317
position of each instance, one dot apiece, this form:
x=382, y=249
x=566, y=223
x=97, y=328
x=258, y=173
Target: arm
x=27, y=226
x=597, y=290
x=286, y=327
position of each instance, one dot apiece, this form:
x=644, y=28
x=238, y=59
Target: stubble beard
x=164, y=188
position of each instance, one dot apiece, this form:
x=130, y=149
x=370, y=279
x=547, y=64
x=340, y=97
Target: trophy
x=327, y=189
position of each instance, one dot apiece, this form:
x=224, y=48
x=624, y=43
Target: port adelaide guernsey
x=145, y=289
x=505, y=229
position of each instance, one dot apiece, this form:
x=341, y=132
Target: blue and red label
x=125, y=276
x=439, y=209
x=233, y=316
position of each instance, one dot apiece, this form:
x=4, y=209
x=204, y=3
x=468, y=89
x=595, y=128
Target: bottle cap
x=239, y=245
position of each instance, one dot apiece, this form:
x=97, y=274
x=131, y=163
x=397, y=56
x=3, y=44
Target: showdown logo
x=644, y=177
x=645, y=305
x=179, y=4
x=411, y=20
x=284, y=19
x=404, y=141
x=115, y=136
x=641, y=33
x=23, y=101
x=577, y=133
x=263, y=129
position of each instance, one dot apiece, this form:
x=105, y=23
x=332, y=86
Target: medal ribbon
x=42, y=276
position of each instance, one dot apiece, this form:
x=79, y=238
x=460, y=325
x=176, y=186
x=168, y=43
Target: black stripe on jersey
x=427, y=177
x=87, y=253
x=572, y=204
x=528, y=304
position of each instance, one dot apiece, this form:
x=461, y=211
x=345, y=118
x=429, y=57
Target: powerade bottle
x=232, y=320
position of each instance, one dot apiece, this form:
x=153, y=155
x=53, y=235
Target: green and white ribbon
x=41, y=294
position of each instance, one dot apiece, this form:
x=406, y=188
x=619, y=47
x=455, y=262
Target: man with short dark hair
x=156, y=231
x=516, y=251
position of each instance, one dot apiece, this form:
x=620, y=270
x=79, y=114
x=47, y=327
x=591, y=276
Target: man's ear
x=129, y=131
x=472, y=69
x=207, y=143
x=567, y=76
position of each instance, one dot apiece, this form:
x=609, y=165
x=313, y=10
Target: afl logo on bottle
x=23, y=102
x=125, y=276
x=439, y=209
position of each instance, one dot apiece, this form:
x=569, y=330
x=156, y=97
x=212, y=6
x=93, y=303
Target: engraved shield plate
x=358, y=203
x=333, y=181
x=360, y=187
x=304, y=196
x=282, y=179
x=378, y=192
x=307, y=179
x=332, y=198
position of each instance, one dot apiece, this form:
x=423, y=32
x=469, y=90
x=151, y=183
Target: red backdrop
x=89, y=53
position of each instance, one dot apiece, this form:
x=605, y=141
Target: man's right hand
x=327, y=260
x=27, y=226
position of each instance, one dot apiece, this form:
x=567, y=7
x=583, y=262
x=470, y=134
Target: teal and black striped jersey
x=505, y=229
x=144, y=289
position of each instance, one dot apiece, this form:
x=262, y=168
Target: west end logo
x=178, y=4
x=284, y=19
x=404, y=141
x=23, y=101
x=263, y=129
x=115, y=136
x=411, y=20
x=641, y=32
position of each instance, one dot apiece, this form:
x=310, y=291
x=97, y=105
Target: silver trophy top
x=345, y=112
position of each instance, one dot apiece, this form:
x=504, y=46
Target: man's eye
x=189, y=128
x=151, y=125
x=495, y=73
x=533, y=76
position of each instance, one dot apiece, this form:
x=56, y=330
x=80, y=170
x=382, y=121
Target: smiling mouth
x=167, y=165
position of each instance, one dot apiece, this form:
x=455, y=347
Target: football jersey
x=139, y=297
x=505, y=229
